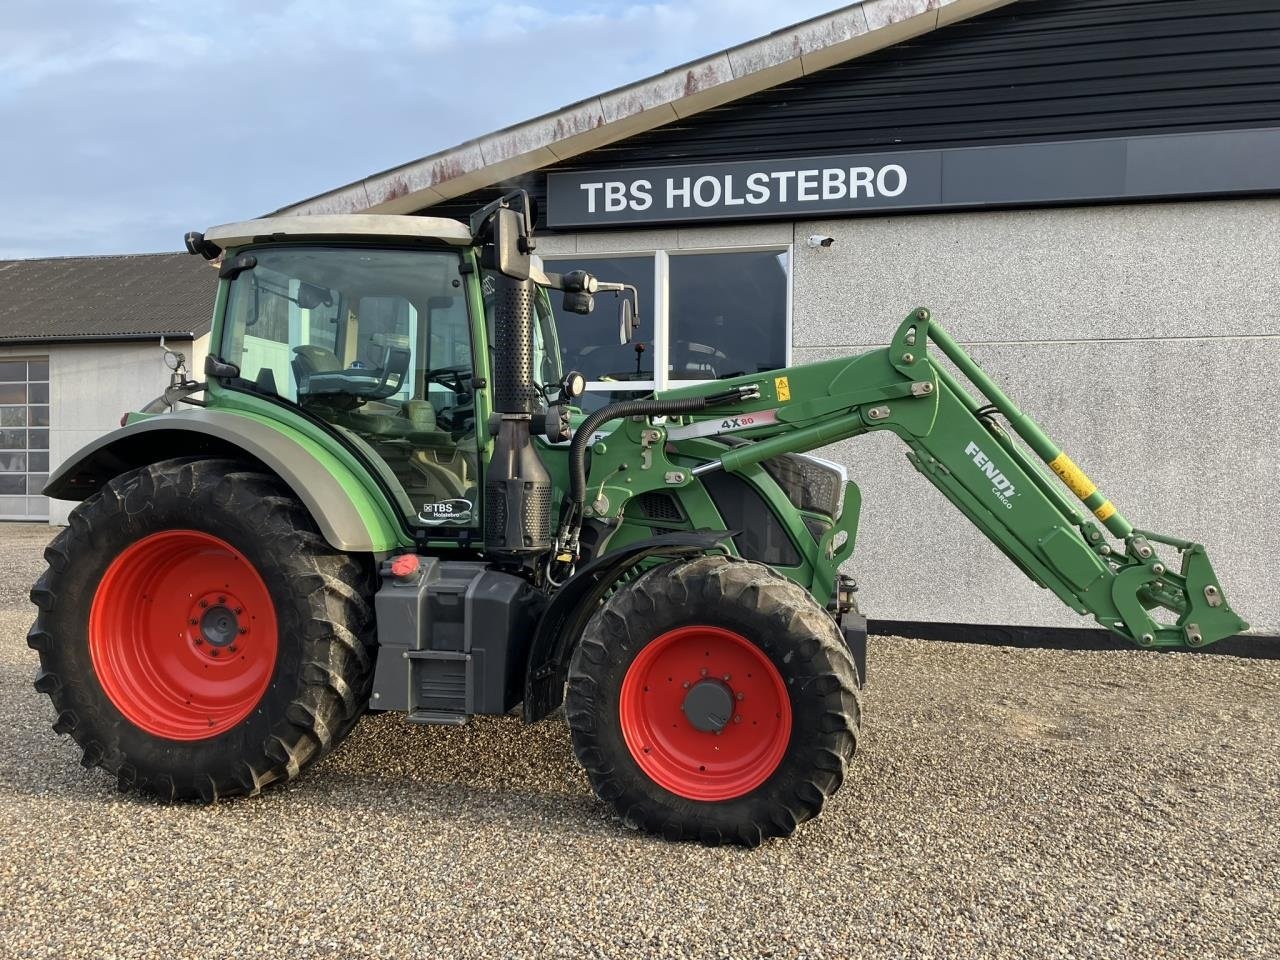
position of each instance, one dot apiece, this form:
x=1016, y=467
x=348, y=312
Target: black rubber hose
x=623, y=408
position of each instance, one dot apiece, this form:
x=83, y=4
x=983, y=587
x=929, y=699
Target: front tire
x=713, y=700
x=197, y=636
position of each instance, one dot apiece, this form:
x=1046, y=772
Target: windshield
x=362, y=312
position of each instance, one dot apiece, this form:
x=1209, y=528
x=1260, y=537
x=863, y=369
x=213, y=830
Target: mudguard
x=348, y=515
x=576, y=602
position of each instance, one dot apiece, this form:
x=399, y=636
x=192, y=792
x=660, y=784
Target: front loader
x=388, y=495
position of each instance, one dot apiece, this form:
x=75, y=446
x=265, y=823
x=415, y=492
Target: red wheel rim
x=182, y=634
x=700, y=764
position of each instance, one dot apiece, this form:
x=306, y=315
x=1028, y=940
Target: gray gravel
x=1006, y=803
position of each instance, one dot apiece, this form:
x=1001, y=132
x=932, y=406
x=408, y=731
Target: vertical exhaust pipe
x=517, y=490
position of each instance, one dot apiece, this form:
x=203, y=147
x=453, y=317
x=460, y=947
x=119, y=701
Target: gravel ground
x=1005, y=803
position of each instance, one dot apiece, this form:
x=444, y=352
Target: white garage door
x=24, y=438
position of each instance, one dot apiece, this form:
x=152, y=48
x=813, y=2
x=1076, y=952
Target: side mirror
x=508, y=250
x=626, y=321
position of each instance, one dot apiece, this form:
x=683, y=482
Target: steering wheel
x=458, y=418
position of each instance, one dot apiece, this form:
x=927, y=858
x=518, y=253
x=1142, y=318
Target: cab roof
x=340, y=225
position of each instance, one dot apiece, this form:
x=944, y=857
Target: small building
x=80, y=346
x=1084, y=191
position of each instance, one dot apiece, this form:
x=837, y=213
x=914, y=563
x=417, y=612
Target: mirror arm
x=545, y=278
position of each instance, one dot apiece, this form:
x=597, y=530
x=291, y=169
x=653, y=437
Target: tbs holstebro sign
x=1117, y=168
x=764, y=188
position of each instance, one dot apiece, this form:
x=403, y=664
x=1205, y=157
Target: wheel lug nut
x=726, y=678
x=213, y=653
x=204, y=603
x=222, y=599
x=199, y=640
x=737, y=719
x=687, y=684
x=740, y=695
x=232, y=649
x=704, y=671
x=239, y=611
x=244, y=630
x=193, y=622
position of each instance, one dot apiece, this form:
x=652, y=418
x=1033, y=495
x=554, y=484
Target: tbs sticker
x=445, y=511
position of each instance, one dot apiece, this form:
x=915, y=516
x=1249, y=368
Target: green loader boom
x=992, y=473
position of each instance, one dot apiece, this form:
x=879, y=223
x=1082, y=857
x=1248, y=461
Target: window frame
x=32, y=499
x=662, y=303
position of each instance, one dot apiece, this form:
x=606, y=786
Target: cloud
x=129, y=121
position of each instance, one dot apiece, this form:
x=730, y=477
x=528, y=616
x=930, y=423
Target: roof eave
x=97, y=338
x=813, y=45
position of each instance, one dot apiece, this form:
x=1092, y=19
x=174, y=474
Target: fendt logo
x=1000, y=484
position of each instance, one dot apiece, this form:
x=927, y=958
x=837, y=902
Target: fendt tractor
x=387, y=495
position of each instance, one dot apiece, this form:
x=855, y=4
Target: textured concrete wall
x=92, y=384
x=1145, y=340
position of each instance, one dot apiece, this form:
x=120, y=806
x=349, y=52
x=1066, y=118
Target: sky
x=125, y=123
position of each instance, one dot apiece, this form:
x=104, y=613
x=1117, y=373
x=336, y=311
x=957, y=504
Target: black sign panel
x=1076, y=170
x=761, y=188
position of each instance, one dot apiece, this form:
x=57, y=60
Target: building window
x=704, y=315
x=24, y=439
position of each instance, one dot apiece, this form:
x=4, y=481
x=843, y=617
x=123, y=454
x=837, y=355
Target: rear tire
x=778, y=685
x=267, y=663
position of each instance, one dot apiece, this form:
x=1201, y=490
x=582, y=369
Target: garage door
x=24, y=438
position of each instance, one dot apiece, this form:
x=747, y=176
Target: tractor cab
x=385, y=338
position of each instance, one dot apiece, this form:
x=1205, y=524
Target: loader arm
x=1093, y=559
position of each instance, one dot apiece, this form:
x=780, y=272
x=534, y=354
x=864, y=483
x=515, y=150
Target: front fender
x=351, y=516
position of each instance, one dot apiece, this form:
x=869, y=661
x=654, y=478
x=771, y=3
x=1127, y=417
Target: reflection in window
x=728, y=314
x=722, y=314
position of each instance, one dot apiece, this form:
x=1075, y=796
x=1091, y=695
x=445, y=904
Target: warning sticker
x=1106, y=511
x=709, y=428
x=1073, y=476
x=783, y=387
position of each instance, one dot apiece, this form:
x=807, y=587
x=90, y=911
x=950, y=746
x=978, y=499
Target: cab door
x=377, y=343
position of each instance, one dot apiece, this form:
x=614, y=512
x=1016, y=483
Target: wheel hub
x=220, y=626
x=708, y=705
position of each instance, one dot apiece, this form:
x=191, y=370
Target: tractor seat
x=309, y=359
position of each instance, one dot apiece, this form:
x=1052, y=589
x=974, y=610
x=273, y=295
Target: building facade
x=1086, y=192
x=80, y=346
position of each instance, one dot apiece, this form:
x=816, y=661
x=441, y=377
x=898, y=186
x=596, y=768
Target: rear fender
x=350, y=515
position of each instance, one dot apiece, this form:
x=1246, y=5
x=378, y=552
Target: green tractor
x=387, y=495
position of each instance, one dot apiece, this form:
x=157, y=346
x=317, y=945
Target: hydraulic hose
x=632, y=408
